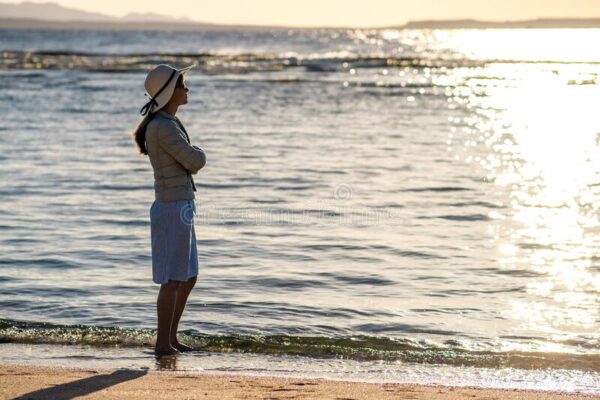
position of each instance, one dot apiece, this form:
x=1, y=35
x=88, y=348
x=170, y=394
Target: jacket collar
x=166, y=115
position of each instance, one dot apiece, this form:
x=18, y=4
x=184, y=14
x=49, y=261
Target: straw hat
x=160, y=85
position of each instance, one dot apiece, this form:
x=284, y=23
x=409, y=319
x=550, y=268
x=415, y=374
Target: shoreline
x=42, y=382
x=204, y=364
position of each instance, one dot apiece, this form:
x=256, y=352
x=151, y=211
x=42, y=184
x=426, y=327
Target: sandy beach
x=32, y=382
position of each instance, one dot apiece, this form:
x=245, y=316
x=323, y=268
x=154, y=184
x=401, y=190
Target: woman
x=162, y=137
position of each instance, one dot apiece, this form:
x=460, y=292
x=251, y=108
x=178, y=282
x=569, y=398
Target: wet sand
x=33, y=382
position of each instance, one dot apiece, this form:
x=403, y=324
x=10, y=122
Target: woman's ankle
x=162, y=344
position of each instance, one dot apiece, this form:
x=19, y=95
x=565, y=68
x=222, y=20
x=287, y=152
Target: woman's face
x=180, y=93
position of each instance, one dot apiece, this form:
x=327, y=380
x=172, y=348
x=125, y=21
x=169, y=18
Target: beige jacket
x=173, y=158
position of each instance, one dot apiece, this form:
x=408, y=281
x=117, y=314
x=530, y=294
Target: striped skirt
x=173, y=237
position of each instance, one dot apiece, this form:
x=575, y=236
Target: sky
x=371, y=13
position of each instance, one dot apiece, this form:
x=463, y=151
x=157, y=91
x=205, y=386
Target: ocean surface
x=376, y=205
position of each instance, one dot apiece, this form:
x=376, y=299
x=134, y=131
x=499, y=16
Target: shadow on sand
x=84, y=386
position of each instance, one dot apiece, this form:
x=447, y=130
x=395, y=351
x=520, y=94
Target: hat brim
x=186, y=69
x=166, y=94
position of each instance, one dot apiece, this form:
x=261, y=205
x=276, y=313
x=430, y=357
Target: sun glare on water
x=536, y=133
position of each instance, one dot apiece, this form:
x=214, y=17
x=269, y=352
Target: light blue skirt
x=174, y=252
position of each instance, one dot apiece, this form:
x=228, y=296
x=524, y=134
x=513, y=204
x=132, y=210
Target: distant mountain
x=146, y=17
x=49, y=12
x=55, y=12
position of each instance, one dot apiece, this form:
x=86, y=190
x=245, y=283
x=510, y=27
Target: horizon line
x=193, y=23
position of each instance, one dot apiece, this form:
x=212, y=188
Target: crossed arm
x=190, y=156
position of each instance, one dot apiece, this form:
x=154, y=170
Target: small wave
x=123, y=222
x=39, y=262
x=210, y=63
x=470, y=217
x=520, y=273
x=267, y=201
x=536, y=246
x=419, y=254
x=356, y=347
x=28, y=75
x=21, y=240
x=370, y=279
x=438, y=189
x=298, y=187
x=279, y=283
x=126, y=188
x=228, y=185
x=322, y=171
x=389, y=85
x=474, y=203
x=471, y=292
x=216, y=64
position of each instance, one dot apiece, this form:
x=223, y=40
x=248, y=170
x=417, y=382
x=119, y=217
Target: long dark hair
x=139, y=134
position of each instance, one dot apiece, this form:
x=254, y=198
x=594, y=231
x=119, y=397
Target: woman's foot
x=165, y=351
x=182, y=347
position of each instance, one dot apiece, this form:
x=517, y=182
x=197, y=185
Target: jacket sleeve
x=191, y=157
x=198, y=148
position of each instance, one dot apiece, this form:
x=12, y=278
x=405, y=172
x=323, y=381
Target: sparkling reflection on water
x=536, y=133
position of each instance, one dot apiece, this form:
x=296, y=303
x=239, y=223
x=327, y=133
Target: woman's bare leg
x=165, y=306
x=183, y=291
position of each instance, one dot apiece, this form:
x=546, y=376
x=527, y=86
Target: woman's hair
x=139, y=134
